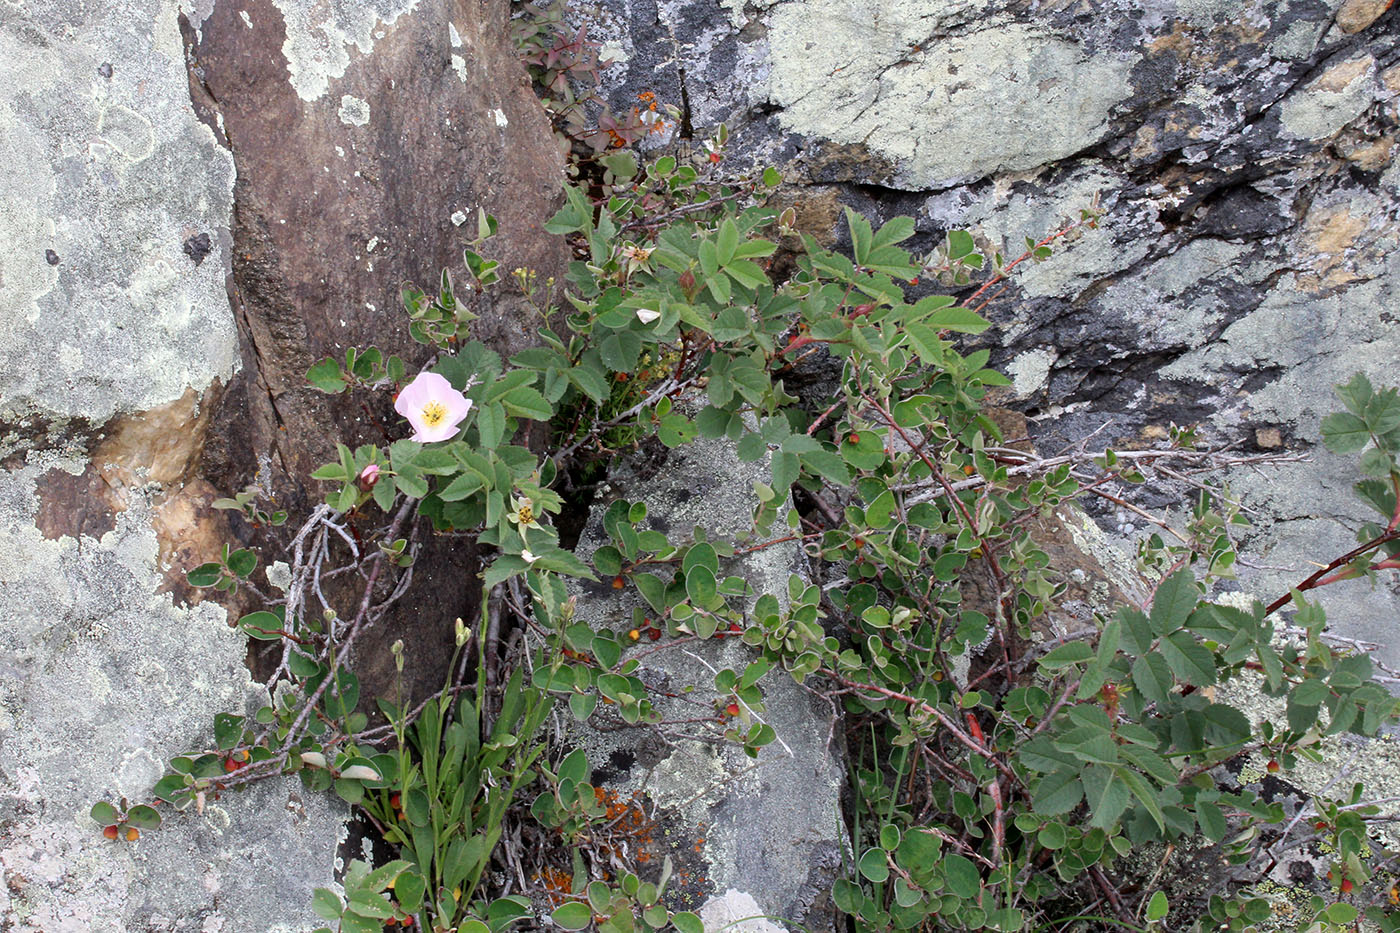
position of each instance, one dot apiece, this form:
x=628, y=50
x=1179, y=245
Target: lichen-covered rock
x=739, y=831
x=104, y=681
x=114, y=247
x=363, y=136
x=102, y=308
x=1241, y=151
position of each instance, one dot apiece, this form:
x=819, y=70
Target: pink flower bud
x=369, y=476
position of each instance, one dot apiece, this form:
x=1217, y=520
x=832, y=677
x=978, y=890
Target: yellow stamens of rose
x=433, y=413
x=525, y=514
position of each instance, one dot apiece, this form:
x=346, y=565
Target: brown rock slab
x=364, y=143
x=1355, y=15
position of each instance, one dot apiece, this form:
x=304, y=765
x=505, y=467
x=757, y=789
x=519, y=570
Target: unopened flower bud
x=368, y=477
x=463, y=633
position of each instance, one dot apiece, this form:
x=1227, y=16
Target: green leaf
x=1074, y=652
x=960, y=244
x=932, y=349
x=242, y=562
x=410, y=481
x=409, y=889
x=526, y=402
x=1145, y=795
x=1107, y=796
x=1212, y=821
x=1157, y=907
x=1341, y=914
x=461, y=487
x=354, y=923
x=590, y=382
x=675, y=429
x=326, y=904
x=205, y=574
x=687, y=922
x=491, y=425
x=369, y=904
x=746, y=273
x=701, y=555
x=563, y=561
x=653, y=590
x=1058, y=792
x=326, y=376
x=1356, y=394
x=228, y=729
x=958, y=320
x=1344, y=433
x=104, y=813
x=785, y=468
x=1052, y=836
x=961, y=874
x=828, y=466
x=874, y=865
x=726, y=242
x=264, y=626
x=1153, y=677
x=620, y=350
x=575, y=915
x=1192, y=663
x=700, y=586
x=1176, y=598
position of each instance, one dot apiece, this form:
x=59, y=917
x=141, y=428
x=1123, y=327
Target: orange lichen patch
x=554, y=884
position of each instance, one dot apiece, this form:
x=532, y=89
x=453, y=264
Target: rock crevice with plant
x=1001, y=766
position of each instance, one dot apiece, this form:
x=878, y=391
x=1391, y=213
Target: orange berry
x=230, y=765
x=732, y=709
x=131, y=834
x=1346, y=885
x=618, y=582
x=634, y=635
x=716, y=157
x=969, y=470
x=1273, y=766
x=653, y=633
x=853, y=438
x=395, y=801
x=110, y=832
x=1320, y=824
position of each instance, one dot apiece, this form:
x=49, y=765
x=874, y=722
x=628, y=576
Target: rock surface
x=165, y=282
x=764, y=831
x=156, y=321
x=1241, y=149
x=366, y=137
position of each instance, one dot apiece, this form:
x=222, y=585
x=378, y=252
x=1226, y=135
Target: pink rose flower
x=433, y=407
